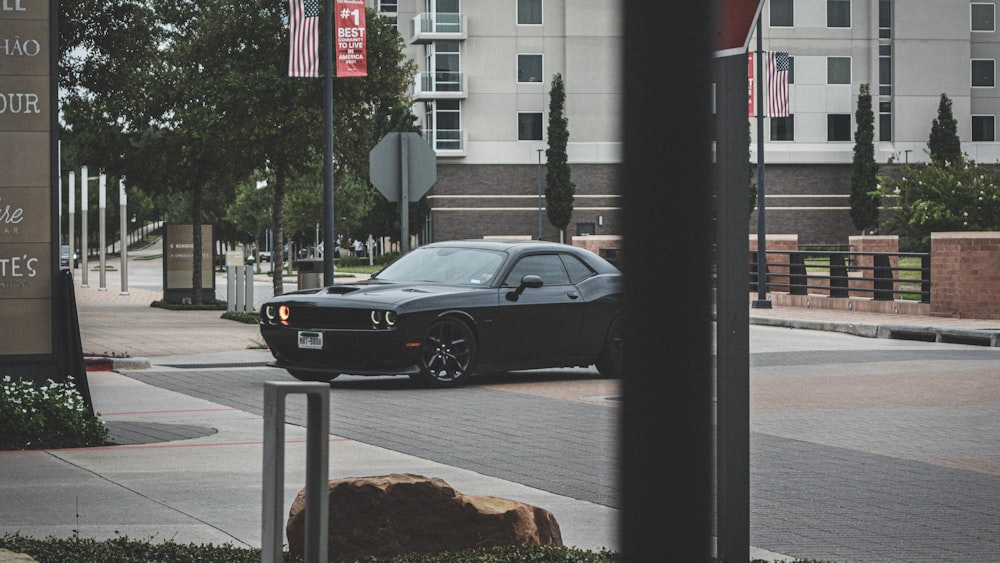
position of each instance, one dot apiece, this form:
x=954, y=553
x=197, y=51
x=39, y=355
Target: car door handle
x=572, y=294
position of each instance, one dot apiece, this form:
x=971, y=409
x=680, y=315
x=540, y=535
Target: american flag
x=777, y=83
x=303, y=47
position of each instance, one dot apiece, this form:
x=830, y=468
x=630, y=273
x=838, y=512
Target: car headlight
x=284, y=311
x=381, y=319
x=269, y=313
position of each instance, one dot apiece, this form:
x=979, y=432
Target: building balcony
x=442, y=85
x=446, y=142
x=431, y=26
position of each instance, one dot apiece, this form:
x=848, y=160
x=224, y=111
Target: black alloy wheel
x=611, y=364
x=448, y=353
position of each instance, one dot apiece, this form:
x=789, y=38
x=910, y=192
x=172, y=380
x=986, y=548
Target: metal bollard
x=231, y=288
x=248, y=305
x=317, y=464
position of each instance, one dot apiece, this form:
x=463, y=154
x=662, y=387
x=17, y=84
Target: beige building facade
x=482, y=99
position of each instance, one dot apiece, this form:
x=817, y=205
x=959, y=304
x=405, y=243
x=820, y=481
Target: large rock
x=403, y=513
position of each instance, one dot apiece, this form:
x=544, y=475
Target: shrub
x=126, y=550
x=51, y=416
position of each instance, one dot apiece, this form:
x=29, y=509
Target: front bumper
x=358, y=352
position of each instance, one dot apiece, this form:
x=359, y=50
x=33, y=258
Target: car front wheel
x=448, y=353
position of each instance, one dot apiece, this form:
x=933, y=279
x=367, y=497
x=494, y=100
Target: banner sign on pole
x=352, y=59
x=751, y=85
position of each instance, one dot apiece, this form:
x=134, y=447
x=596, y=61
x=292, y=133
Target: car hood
x=375, y=293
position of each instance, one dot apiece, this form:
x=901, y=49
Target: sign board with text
x=178, y=263
x=28, y=137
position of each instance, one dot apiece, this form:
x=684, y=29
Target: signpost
x=29, y=241
x=735, y=21
x=403, y=167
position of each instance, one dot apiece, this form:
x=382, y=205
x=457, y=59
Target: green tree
x=943, y=144
x=934, y=197
x=559, y=188
x=864, y=177
x=199, y=99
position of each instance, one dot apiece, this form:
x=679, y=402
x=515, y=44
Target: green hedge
x=127, y=550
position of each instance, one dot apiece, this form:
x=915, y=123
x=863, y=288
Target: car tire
x=313, y=376
x=611, y=364
x=448, y=353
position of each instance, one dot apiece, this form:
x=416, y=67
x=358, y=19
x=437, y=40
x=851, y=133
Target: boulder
x=398, y=514
x=7, y=556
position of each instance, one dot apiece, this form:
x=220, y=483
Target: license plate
x=311, y=340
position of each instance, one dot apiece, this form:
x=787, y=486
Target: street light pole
x=540, y=193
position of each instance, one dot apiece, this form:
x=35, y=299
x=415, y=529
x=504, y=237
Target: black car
x=448, y=309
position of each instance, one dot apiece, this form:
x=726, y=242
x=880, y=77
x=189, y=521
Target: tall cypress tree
x=944, y=146
x=864, y=206
x=559, y=189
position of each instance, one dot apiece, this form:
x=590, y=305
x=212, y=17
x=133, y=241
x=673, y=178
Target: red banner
x=352, y=57
x=751, y=84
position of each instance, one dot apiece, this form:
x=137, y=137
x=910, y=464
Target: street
x=861, y=449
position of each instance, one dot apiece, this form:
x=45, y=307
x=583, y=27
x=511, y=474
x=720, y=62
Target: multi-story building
x=482, y=97
x=486, y=68
x=909, y=53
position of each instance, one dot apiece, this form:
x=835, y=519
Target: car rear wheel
x=313, y=376
x=612, y=361
x=448, y=353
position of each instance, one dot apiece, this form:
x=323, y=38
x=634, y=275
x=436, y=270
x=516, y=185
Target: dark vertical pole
x=328, y=214
x=404, y=196
x=761, y=302
x=732, y=172
x=667, y=416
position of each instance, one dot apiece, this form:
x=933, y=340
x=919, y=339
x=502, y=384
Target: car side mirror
x=530, y=280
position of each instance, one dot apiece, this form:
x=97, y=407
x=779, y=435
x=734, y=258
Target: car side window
x=546, y=266
x=578, y=271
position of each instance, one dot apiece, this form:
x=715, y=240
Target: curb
x=977, y=337
x=102, y=363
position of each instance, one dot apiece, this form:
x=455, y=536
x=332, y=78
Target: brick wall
x=966, y=275
x=808, y=199
x=473, y=201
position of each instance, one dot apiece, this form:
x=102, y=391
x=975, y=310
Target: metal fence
x=882, y=276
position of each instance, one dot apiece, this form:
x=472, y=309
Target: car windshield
x=451, y=265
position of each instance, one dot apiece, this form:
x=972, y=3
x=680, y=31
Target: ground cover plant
x=53, y=415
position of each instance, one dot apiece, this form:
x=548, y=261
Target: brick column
x=863, y=266
x=965, y=275
x=777, y=264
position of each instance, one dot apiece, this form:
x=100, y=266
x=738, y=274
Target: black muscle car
x=448, y=309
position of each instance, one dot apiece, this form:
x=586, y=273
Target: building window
x=390, y=6
x=446, y=124
x=529, y=68
x=529, y=126
x=783, y=128
x=838, y=13
x=983, y=17
x=529, y=12
x=782, y=14
x=838, y=127
x=885, y=70
x=983, y=73
x=984, y=128
x=885, y=121
x=885, y=19
x=838, y=70
x=444, y=62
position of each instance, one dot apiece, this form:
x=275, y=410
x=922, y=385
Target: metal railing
x=881, y=276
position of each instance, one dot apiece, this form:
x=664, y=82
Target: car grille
x=330, y=318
